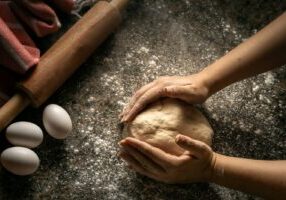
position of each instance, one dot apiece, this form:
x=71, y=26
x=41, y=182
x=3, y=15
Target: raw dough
x=159, y=124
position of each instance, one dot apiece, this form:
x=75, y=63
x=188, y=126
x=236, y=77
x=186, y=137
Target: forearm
x=262, y=52
x=263, y=178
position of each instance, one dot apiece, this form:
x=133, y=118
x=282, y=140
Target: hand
x=191, y=89
x=196, y=164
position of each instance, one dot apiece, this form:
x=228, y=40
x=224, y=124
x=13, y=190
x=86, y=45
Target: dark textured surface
x=157, y=38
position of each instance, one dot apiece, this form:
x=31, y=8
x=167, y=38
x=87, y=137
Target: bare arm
x=263, y=178
x=199, y=163
x=260, y=53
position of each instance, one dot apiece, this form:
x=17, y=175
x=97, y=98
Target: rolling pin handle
x=119, y=4
x=12, y=108
x=69, y=52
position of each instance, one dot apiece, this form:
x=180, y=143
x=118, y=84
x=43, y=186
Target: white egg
x=57, y=121
x=24, y=134
x=20, y=160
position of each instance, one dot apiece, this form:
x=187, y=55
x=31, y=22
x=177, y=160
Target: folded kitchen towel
x=17, y=50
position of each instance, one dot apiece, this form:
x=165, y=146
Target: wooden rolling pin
x=64, y=57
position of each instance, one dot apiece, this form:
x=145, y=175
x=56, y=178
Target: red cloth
x=64, y=5
x=17, y=50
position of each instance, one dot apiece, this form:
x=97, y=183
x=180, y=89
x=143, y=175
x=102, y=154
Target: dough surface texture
x=160, y=122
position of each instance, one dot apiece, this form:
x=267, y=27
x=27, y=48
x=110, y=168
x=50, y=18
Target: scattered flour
x=143, y=50
x=269, y=79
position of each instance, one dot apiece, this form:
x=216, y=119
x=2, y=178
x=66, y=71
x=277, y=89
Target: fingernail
x=124, y=119
x=178, y=137
x=181, y=138
x=128, y=116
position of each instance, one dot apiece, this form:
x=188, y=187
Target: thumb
x=196, y=148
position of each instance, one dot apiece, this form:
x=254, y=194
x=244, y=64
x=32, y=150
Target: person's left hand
x=191, y=89
x=194, y=165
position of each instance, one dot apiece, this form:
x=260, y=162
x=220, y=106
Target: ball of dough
x=160, y=122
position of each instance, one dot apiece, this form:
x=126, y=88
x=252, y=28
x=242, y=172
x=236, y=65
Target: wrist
x=215, y=168
x=200, y=84
x=209, y=80
x=218, y=168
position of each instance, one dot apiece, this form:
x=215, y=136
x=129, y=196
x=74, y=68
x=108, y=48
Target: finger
x=176, y=91
x=148, y=97
x=196, y=148
x=155, y=154
x=121, y=115
x=134, y=164
x=136, y=96
x=184, y=93
x=127, y=107
x=144, y=161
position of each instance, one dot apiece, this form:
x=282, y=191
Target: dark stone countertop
x=157, y=38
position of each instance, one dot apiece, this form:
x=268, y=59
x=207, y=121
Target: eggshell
x=24, y=134
x=20, y=160
x=57, y=121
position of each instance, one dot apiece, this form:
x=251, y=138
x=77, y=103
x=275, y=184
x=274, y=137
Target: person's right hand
x=196, y=164
x=191, y=89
